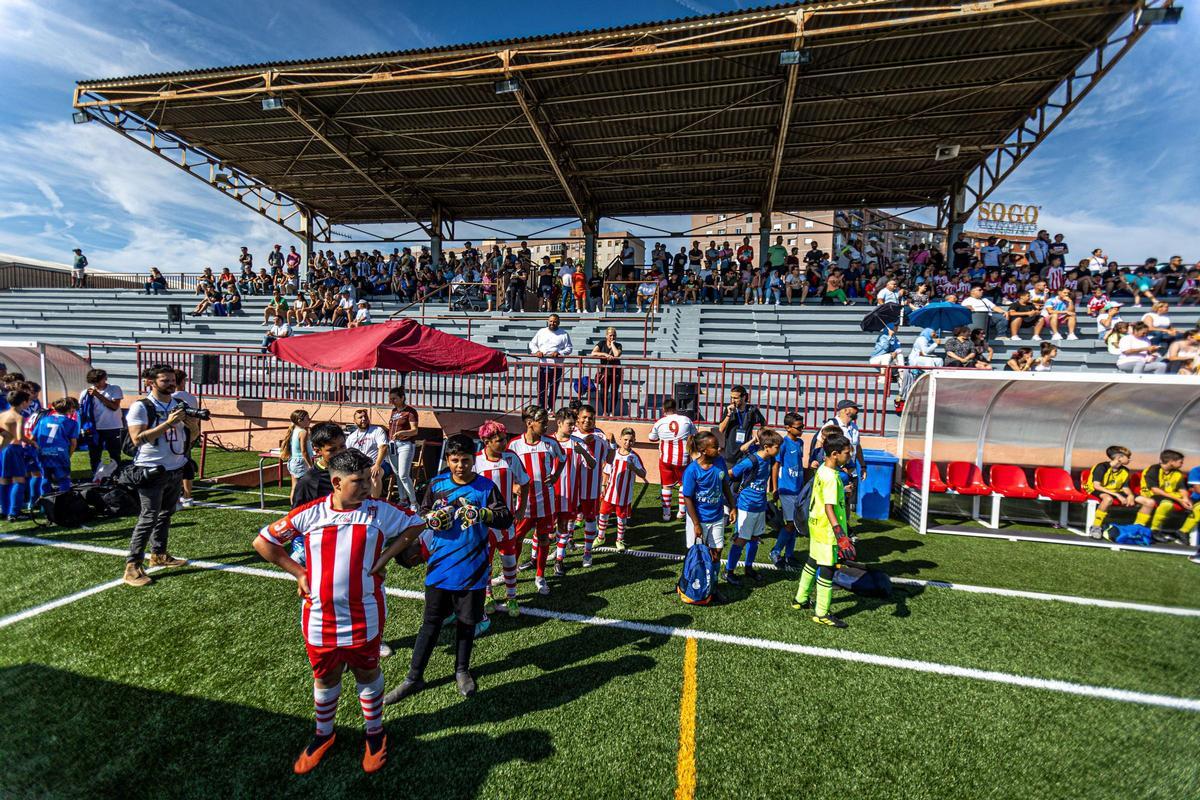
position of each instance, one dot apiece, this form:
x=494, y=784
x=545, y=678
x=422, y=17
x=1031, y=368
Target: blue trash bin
x=875, y=488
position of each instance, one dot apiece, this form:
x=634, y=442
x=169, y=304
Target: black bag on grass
x=863, y=581
x=66, y=509
x=110, y=499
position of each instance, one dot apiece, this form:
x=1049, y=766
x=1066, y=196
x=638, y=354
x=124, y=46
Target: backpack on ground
x=863, y=581
x=1128, y=534
x=110, y=499
x=699, y=576
x=66, y=509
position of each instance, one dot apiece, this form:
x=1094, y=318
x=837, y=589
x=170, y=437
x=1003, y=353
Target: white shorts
x=751, y=524
x=788, y=504
x=714, y=533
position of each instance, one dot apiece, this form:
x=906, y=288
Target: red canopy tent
x=402, y=345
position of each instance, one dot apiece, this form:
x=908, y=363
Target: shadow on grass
x=85, y=737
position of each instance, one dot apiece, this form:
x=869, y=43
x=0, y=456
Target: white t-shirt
x=187, y=398
x=886, y=295
x=1156, y=320
x=169, y=450
x=107, y=419
x=979, y=304
x=849, y=430
x=363, y=316
x=1131, y=342
x=280, y=331
x=367, y=442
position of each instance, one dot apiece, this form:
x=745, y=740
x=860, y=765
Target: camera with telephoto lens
x=197, y=413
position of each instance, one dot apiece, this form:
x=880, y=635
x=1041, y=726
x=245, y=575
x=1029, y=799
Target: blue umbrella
x=940, y=316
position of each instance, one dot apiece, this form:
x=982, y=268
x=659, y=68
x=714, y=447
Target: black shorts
x=466, y=604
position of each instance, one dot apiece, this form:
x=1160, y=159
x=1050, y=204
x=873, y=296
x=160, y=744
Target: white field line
x=929, y=667
x=1094, y=602
x=62, y=601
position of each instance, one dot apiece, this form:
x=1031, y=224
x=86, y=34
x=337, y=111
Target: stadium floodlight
x=508, y=86
x=272, y=103
x=80, y=117
x=789, y=58
x=1162, y=15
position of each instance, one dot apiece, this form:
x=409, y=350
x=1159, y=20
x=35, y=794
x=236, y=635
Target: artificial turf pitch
x=198, y=686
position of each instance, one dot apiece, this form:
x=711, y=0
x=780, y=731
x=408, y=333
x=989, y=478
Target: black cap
x=843, y=404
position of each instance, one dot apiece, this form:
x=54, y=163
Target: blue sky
x=1121, y=173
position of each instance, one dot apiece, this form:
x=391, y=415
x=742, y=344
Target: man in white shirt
x=371, y=441
x=844, y=417
x=105, y=402
x=280, y=330
x=977, y=302
x=627, y=255
x=566, y=274
x=549, y=345
x=890, y=294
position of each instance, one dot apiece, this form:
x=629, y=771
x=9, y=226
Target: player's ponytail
x=285, y=447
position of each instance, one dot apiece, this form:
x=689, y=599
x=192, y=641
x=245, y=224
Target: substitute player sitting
x=342, y=607
x=673, y=433
x=1109, y=481
x=1163, y=485
x=623, y=467
x=460, y=506
x=828, y=538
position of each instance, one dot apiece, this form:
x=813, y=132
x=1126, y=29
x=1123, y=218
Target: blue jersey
x=755, y=471
x=458, y=555
x=706, y=487
x=791, y=465
x=1193, y=479
x=53, y=434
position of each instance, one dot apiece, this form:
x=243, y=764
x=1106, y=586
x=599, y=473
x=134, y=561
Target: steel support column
x=435, y=238
x=591, y=230
x=306, y=237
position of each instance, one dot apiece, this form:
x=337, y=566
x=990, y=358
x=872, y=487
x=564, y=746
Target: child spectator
x=750, y=512
x=623, y=465
x=706, y=495
x=829, y=540
x=1109, y=481
x=1162, y=484
x=1045, y=361
x=344, y=530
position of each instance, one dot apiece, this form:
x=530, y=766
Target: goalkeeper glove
x=845, y=547
x=439, y=519
x=470, y=515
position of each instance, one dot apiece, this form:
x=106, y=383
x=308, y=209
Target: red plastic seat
x=966, y=478
x=1135, y=482
x=912, y=476
x=1008, y=480
x=1056, y=484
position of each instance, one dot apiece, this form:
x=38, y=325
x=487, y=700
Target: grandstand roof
x=683, y=116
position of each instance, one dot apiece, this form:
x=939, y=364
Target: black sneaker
x=781, y=563
x=559, y=569
x=732, y=579
x=795, y=562
x=466, y=683
x=407, y=688
x=831, y=621
x=807, y=605
x=753, y=574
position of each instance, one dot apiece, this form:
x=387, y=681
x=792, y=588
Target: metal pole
x=591, y=228
x=764, y=236
x=958, y=200
x=435, y=239
x=927, y=462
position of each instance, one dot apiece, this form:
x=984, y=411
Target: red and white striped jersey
x=507, y=473
x=619, y=491
x=566, y=488
x=540, y=461
x=345, y=605
x=672, y=432
x=590, y=479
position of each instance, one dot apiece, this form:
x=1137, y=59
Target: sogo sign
x=1016, y=219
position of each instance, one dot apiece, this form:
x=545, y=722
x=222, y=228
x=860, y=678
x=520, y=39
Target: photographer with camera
x=157, y=430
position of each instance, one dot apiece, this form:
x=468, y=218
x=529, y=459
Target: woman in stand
x=609, y=380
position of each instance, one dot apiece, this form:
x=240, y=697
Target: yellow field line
x=685, y=767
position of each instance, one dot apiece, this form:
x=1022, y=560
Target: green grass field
x=198, y=685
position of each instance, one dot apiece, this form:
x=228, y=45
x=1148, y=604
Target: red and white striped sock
x=325, y=702
x=620, y=529
x=564, y=536
x=666, y=500
x=589, y=536
x=601, y=525
x=682, y=507
x=508, y=566
x=370, y=697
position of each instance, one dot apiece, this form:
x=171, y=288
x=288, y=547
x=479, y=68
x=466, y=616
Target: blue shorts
x=12, y=462
x=55, y=469
x=33, y=463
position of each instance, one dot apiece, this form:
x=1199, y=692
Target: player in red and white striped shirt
x=577, y=458
x=543, y=460
x=591, y=478
x=620, y=474
x=503, y=468
x=343, y=607
x=674, y=434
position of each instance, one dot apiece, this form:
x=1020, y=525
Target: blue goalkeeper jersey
x=458, y=555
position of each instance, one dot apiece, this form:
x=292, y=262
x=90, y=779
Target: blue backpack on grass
x=699, y=577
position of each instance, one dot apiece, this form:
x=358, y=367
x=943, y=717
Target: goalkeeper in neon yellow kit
x=828, y=539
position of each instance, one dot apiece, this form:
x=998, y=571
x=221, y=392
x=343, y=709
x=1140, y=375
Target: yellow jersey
x=1105, y=476
x=1156, y=477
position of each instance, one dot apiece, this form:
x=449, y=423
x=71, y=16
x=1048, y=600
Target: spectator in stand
x=1138, y=354
x=887, y=352
x=919, y=298
x=960, y=352
x=277, y=307
x=1107, y=319
x=1112, y=339
x=100, y=420
x=371, y=441
x=990, y=253
x=156, y=284
x=549, y=346
x=78, y=266
x=1021, y=314
x=210, y=299
x=1189, y=290
x=1158, y=324
x=545, y=285
x=362, y=316
x=275, y=259
x=595, y=286
x=514, y=295
x=296, y=451
x=1037, y=255
x=578, y=284
x=976, y=302
x=984, y=353
x=566, y=278
x=1097, y=263
x=647, y=293
x=1020, y=361
x=246, y=260
x=745, y=254
x=627, y=256
x=280, y=330
x=1170, y=277
x=1057, y=311
x=345, y=310
x=795, y=283
x=923, y=349
x=1139, y=284
x=1184, y=354
x=609, y=380
x=1059, y=249
x=890, y=293
x=1045, y=361
x=833, y=290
